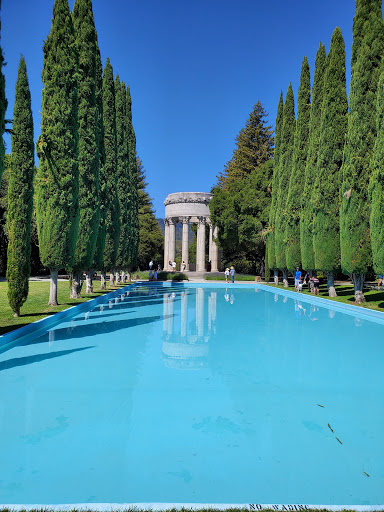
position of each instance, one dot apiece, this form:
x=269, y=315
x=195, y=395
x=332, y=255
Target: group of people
x=229, y=272
x=313, y=282
x=153, y=271
x=172, y=266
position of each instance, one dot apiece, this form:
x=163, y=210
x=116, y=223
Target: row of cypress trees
x=85, y=187
x=327, y=206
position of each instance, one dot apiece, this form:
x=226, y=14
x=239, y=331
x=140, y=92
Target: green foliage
x=3, y=108
x=271, y=259
x=113, y=211
x=286, y=154
x=367, y=51
x=325, y=198
x=89, y=192
x=57, y=187
x=306, y=219
x=122, y=171
x=254, y=147
x=299, y=160
x=134, y=232
x=103, y=182
x=376, y=185
x=241, y=212
x=20, y=194
x=151, y=240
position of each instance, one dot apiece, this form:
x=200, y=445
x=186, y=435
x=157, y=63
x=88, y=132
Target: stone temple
x=187, y=208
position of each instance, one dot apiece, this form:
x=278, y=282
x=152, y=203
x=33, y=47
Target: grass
x=36, y=306
x=221, y=277
x=345, y=294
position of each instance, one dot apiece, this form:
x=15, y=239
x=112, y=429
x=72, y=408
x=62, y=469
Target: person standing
x=226, y=273
x=232, y=272
x=150, y=265
x=174, y=266
x=297, y=279
x=316, y=285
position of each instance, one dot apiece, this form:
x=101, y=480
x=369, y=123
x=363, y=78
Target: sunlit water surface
x=180, y=394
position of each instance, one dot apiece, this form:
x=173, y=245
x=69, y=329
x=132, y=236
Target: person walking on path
x=297, y=279
x=232, y=272
x=226, y=273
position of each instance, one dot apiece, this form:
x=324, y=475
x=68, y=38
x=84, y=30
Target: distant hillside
x=179, y=230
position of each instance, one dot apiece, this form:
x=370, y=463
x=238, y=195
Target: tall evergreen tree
x=133, y=204
x=88, y=159
x=3, y=108
x=299, y=160
x=113, y=212
x=325, y=198
x=271, y=255
x=367, y=51
x=254, y=147
x=20, y=194
x=306, y=219
x=376, y=185
x=103, y=182
x=122, y=173
x=57, y=180
x=287, y=142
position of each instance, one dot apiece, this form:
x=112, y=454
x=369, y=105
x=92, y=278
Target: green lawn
x=36, y=306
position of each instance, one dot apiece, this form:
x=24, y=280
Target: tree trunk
x=111, y=279
x=331, y=284
x=276, y=276
x=117, y=277
x=262, y=268
x=128, y=277
x=285, y=278
x=88, y=280
x=17, y=313
x=358, y=282
x=53, y=287
x=103, y=280
x=76, y=285
x=123, y=276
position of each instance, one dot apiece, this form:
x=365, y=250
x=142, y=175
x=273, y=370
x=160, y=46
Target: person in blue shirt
x=232, y=272
x=297, y=279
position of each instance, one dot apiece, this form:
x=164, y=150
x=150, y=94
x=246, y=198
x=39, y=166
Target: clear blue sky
x=195, y=69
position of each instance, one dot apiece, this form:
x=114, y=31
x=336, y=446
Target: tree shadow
x=23, y=361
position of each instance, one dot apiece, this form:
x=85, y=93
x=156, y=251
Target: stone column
x=200, y=246
x=185, y=242
x=215, y=252
x=210, y=242
x=166, y=243
x=172, y=239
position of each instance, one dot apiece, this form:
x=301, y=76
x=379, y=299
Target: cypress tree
x=325, y=198
x=287, y=142
x=3, y=108
x=271, y=255
x=133, y=205
x=103, y=183
x=20, y=194
x=376, y=185
x=367, y=51
x=57, y=180
x=113, y=211
x=122, y=173
x=299, y=159
x=306, y=218
x=89, y=193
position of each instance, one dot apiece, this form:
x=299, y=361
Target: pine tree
x=57, y=180
x=376, y=185
x=325, y=198
x=113, y=212
x=367, y=51
x=254, y=146
x=306, y=219
x=103, y=182
x=122, y=173
x=299, y=160
x=271, y=255
x=286, y=154
x=88, y=159
x=20, y=194
x=3, y=108
x=133, y=205
x=151, y=240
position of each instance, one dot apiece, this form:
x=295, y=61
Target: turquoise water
x=195, y=395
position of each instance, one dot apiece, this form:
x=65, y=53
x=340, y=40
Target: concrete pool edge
x=101, y=507
x=49, y=321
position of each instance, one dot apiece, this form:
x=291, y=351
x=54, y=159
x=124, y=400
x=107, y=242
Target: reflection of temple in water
x=187, y=327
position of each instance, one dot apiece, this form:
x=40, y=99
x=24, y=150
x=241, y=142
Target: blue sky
x=195, y=69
